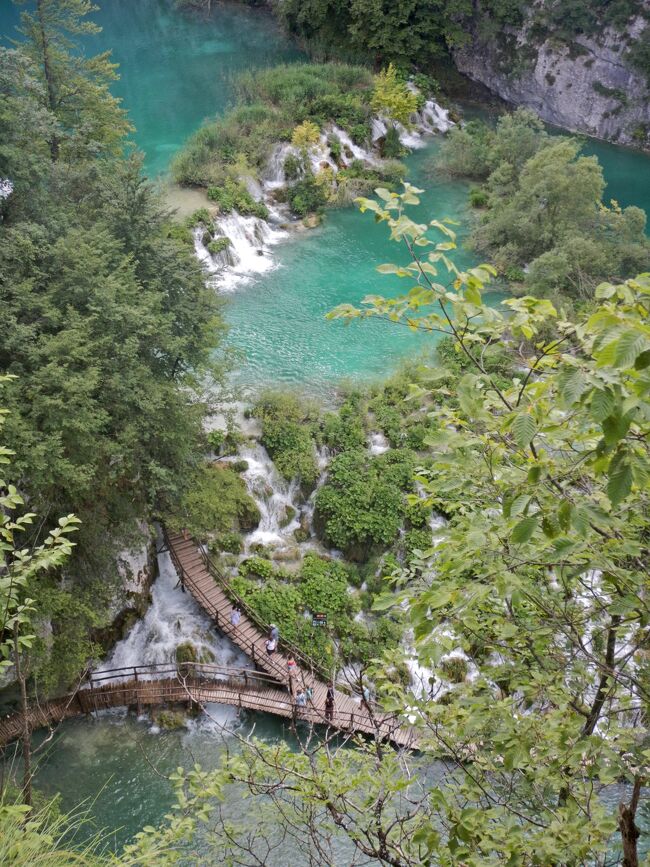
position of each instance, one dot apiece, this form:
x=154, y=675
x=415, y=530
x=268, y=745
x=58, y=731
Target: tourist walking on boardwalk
x=309, y=693
x=235, y=617
x=274, y=633
x=329, y=702
x=301, y=699
x=271, y=646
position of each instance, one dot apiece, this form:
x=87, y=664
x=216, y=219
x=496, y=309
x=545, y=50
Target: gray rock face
x=588, y=87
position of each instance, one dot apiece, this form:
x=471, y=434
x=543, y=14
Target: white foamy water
x=249, y=252
x=173, y=618
x=276, y=499
x=377, y=443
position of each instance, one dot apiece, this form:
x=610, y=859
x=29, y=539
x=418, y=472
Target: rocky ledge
x=587, y=86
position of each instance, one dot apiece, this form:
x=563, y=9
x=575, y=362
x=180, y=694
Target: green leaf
x=629, y=345
x=524, y=530
x=524, y=429
x=602, y=404
x=619, y=483
x=615, y=428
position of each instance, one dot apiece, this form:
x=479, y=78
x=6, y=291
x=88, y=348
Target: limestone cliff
x=587, y=84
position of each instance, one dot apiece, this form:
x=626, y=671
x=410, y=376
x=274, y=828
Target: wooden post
x=138, y=704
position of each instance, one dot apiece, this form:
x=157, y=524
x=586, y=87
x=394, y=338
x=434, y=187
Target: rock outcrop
x=586, y=86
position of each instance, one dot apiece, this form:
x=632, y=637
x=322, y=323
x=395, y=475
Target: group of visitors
x=304, y=695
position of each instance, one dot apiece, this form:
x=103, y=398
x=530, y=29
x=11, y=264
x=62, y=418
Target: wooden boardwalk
x=194, y=683
x=213, y=593
x=269, y=687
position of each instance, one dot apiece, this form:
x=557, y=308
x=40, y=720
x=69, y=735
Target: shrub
x=216, y=439
x=186, y=652
x=293, y=167
x=215, y=501
x=392, y=147
x=233, y=196
x=416, y=540
x=361, y=504
x=287, y=435
x=305, y=135
x=169, y=719
x=307, y=196
x=324, y=586
x=334, y=144
x=454, y=668
x=344, y=430
x=478, y=198
x=359, y=133
x=231, y=543
x=218, y=245
x=202, y=215
x=391, y=96
x=257, y=567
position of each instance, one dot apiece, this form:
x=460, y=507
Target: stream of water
x=176, y=70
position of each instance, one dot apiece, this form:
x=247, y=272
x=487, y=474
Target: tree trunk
x=26, y=736
x=629, y=830
x=49, y=76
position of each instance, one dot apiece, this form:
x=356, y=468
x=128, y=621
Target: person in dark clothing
x=329, y=702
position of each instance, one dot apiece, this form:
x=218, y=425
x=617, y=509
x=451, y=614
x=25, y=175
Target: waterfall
x=379, y=129
x=320, y=157
x=377, y=443
x=434, y=117
x=248, y=253
x=172, y=619
x=358, y=153
x=276, y=499
x=274, y=176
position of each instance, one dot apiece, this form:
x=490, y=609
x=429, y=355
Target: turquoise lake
x=178, y=69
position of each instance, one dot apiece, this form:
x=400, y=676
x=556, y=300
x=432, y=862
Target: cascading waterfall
x=173, y=619
x=248, y=253
x=275, y=498
x=251, y=238
x=377, y=443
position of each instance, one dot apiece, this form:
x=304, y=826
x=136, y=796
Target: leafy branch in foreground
x=19, y=568
x=537, y=580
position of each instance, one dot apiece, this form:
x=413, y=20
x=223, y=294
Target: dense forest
x=472, y=527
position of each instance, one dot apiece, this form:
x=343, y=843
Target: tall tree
x=75, y=87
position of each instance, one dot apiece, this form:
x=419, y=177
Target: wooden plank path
x=212, y=591
x=269, y=688
x=138, y=693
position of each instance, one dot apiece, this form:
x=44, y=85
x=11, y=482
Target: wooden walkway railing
x=147, y=685
x=214, y=594
x=269, y=687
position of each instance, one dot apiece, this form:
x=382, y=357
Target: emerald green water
x=177, y=70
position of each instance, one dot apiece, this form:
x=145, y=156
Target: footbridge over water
x=268, y=686
x=198, y=684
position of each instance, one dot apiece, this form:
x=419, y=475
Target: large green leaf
x=524, y=530
x=524, y=429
